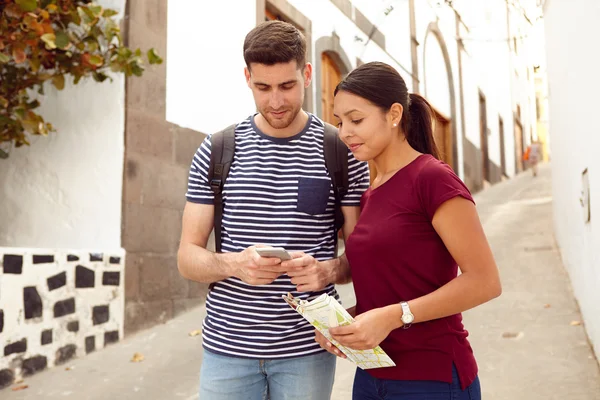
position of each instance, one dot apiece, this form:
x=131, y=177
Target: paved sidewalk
x=544, y=358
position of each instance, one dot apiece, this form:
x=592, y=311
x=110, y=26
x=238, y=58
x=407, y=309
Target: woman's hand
x=327, y=345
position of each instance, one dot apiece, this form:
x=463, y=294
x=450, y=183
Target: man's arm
x=197, y=263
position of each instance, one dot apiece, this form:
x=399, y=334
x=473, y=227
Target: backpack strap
x=336, y=162
x=222, y=148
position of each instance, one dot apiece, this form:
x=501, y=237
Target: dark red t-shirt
x=396, y=255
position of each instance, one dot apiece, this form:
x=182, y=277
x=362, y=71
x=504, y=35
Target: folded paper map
x=325, y=312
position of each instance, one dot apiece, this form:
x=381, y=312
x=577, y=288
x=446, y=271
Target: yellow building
x=541, y=106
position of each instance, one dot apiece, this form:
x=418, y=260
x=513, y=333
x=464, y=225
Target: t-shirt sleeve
x=358, y=181
x=437, y=183
x=199, y=190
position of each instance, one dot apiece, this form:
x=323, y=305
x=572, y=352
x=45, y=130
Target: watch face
x=407, y=318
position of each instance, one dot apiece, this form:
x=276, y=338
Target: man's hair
x=275, y=42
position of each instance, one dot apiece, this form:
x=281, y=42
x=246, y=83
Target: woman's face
x=363, y=126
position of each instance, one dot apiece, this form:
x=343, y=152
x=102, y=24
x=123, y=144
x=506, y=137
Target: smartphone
x=276, y=252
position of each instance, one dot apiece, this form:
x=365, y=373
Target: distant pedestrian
x=534, y=155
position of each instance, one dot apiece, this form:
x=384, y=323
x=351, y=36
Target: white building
x=573, y=61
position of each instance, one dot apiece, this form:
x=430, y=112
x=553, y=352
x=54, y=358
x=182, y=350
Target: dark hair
x=275, y=42
x=383, y=86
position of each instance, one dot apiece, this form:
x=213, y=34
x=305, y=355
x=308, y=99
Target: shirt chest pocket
x=313, y=195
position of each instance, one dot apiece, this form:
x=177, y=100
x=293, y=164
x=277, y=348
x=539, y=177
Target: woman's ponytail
x=418, y=125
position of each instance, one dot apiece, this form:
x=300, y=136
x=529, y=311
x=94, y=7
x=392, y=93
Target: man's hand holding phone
x=254, y=269
x=308, y=274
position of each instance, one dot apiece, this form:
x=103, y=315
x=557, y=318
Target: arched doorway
x=439, y=91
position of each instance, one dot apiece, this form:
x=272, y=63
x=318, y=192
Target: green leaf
x=4, y=58
x=62, y=40
x=76, y=17
x=115, y=66
x=3, y=154
x=35, y=64
x=109, y=13
x=96, y=10
x=31, y=125
x=153, y=57
x=137, y=70
x=5, y=120
x=59, y=82
x=50, y=40
x=27, y=5
x=92, y=44
x=83, y=15
x=89, y=13
x=99, y=76
x=33, y=104
x=96, y=61
x=3, y=102
x=124, y=52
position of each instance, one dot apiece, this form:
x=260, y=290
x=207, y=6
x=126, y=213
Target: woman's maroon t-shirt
x=396, y=255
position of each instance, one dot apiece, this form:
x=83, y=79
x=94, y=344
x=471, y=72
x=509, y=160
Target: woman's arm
x=457, y=223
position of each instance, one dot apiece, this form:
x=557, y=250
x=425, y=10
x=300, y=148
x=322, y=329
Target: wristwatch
x=407, y=316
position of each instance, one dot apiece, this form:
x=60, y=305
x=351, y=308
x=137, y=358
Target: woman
x=418, y=223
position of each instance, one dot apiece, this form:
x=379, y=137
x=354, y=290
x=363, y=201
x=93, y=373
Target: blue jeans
x=298, y=378
x=368, y=388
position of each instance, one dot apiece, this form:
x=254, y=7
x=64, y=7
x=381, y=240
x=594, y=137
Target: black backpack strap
x=222, y=148
x=336, y=162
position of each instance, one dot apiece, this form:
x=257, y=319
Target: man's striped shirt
x=277, y=193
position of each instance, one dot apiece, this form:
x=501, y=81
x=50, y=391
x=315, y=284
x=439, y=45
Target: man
x=278, y=193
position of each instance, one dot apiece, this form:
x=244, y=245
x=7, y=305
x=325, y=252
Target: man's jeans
x=298, y=378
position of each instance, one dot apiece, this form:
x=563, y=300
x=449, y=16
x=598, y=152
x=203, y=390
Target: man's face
x=278, y=90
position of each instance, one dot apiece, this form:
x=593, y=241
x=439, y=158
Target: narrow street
x=528, y=343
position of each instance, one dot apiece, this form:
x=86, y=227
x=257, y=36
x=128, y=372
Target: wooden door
x=502, y=149
x=518, y=146
x=442, y=134
x=330, y=77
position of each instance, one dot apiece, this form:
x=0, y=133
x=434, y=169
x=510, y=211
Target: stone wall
x=56, y=305
x=158, y=155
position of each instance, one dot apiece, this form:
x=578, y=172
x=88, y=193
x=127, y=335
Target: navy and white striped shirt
x=277, y=193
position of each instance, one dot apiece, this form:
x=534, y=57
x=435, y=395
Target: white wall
x=206, y=88
x=65, y=190
x=573, y=64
